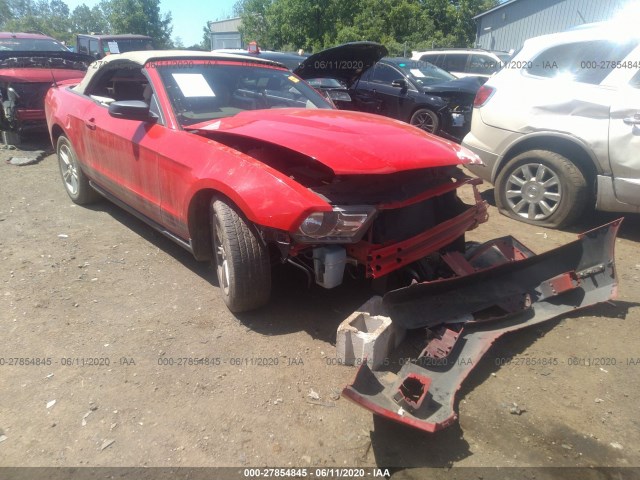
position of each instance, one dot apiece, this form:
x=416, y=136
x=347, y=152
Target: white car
x=558, y=128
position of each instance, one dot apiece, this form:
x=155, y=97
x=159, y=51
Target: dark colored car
x=29, y=64
x=332, y=89
x=99, y=46
x=419, y=93
x=289, y=60
x=412, y=91
x=334, y=70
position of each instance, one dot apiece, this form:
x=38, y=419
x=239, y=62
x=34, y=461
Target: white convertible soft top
x=143, y=56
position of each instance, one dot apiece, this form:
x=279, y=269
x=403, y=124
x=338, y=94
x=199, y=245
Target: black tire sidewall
x=250, y=271
x=572, y=182
x=433, y=114
x=85, y=194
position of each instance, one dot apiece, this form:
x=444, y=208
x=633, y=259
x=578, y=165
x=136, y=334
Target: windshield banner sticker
x=193, y=85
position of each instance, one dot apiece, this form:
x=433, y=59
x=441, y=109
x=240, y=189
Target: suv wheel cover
x=533, y=191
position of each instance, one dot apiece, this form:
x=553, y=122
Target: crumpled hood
x=25, y=75
x=345, y=142
x=19, y=66
x=468, y=85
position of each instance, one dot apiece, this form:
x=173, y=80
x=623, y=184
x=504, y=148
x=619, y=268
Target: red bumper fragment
x=422, y=393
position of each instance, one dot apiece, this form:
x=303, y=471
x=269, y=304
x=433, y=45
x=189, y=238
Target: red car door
x=121, y=153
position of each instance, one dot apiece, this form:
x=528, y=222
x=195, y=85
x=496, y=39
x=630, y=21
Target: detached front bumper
x=501, y=288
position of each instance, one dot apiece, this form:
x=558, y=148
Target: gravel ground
x=111, y=304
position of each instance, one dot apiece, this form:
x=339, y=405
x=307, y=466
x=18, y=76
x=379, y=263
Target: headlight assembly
x=345, y=224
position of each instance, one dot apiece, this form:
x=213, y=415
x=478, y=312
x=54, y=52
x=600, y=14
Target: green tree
x=317, y=24
x=89, y=20
x=5, y=12
x=48, y=17
x=141, y=17
x=255, y=27
x=205, y=43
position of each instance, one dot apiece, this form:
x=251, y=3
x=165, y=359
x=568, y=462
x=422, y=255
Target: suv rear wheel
x=542, y=188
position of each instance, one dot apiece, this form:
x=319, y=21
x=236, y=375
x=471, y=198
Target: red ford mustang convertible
x=245, y=165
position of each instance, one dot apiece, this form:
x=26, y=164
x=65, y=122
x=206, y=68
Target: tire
x=241, y=260
x=74, y=180
x=542, y=188
x=426, y=120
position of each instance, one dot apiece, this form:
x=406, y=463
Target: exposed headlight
x=339, y=95
x=344, y=224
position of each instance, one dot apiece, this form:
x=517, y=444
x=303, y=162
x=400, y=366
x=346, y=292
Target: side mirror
x=131, y=110
x=400, y=83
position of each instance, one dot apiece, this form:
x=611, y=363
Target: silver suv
x=558, y=128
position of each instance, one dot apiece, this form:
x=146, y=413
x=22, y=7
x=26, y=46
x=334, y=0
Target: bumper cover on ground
x=490, y=302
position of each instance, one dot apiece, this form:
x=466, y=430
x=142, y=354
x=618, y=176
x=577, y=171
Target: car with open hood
x=29, y=64
x=412, y=91
x=245, y=165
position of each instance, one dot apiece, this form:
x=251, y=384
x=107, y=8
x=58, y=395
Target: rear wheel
x=242, y=260
x=542, y=188
x=75, y=181
x=426, y=120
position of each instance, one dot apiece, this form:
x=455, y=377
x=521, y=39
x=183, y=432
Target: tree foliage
x=139, y=16
x=399, y=24
x=53, y=18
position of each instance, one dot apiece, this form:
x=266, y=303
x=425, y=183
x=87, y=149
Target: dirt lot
x=95, y=283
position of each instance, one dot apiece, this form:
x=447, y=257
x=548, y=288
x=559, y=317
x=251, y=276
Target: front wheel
x=75, y=181
x=241, y=260
x=426, y=120
x=542, y=188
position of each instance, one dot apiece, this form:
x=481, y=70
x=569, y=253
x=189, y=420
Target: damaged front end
x=405, y=219
x=498, y=287
x=25, y=78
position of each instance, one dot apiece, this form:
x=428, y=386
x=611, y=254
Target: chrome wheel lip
x=222, y=264
x=69, y=170
x=533, y=191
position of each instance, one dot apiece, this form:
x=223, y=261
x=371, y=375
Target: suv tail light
x=483, y=95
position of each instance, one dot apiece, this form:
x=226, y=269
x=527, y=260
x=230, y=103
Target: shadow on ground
x=630, y=229
x=294, y=306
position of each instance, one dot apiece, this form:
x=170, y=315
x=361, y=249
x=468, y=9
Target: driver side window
x=385, y=74
x=124, y=83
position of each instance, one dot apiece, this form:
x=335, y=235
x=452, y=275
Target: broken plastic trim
x=582, y=273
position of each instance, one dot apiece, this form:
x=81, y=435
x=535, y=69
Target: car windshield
x=121, y=45
x=504, y=57
x=325, y=83
x=31, y=45
x=200, y=91
x=424, y=73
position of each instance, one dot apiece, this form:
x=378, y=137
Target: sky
x=189, y=16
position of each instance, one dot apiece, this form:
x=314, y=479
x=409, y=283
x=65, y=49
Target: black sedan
x=412, y=91
x=419, y=93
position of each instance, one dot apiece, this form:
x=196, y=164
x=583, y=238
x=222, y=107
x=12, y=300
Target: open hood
x=469, y=85
x=45, y=60
x=359, y=143
x=344, y=62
